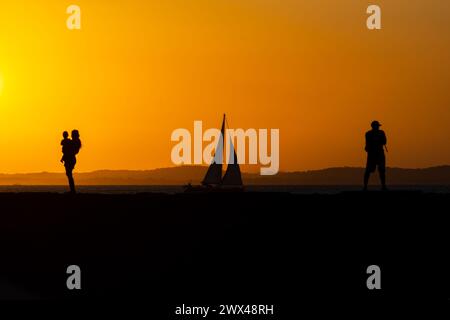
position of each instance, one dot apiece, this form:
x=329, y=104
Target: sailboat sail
x=214, y=174
x=232, y=176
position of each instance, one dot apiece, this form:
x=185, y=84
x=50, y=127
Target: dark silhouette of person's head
x=76, y=141
x=75, y=134
x=65, y=134
x=375, y=125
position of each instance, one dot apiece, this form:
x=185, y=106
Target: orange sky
x=140, y=69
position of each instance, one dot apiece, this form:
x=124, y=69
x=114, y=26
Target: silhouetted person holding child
x=70, y=148
x=375, y=145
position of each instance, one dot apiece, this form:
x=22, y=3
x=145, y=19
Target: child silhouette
x=65, y=143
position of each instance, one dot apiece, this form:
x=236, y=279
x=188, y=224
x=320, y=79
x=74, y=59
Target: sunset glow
x=137, y=70
x=1, y=84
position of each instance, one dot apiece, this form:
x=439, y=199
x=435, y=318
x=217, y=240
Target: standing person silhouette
x=72, y=147
x=375, y=144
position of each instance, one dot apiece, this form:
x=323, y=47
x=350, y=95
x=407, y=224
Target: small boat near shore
x=213, y=181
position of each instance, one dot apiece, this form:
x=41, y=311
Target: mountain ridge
x=436, y=175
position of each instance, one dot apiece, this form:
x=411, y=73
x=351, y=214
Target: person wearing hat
x=375, y=144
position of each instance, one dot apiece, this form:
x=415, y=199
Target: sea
x=126, y=189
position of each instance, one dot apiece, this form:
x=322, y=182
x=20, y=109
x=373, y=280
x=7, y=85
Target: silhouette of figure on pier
x=70, y=148
x=375, y=145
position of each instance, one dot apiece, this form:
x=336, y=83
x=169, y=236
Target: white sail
x=214, y=174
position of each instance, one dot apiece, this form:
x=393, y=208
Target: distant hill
x=439, y=175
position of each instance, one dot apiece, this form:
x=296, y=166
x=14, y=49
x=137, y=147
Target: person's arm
x=384, y=139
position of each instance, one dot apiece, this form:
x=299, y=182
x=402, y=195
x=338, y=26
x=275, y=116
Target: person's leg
x=382, y=172
x=369, y=170
x=366, y=178
x=72, y=183
x=70, y=178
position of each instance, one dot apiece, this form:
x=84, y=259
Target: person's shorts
x=374, y=161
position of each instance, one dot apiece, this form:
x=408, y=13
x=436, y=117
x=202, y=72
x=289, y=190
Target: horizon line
x=205, y=166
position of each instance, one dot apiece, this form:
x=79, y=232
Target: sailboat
x=213, y=180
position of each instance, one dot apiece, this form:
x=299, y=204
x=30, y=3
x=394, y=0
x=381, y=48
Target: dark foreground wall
x=157, y=252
